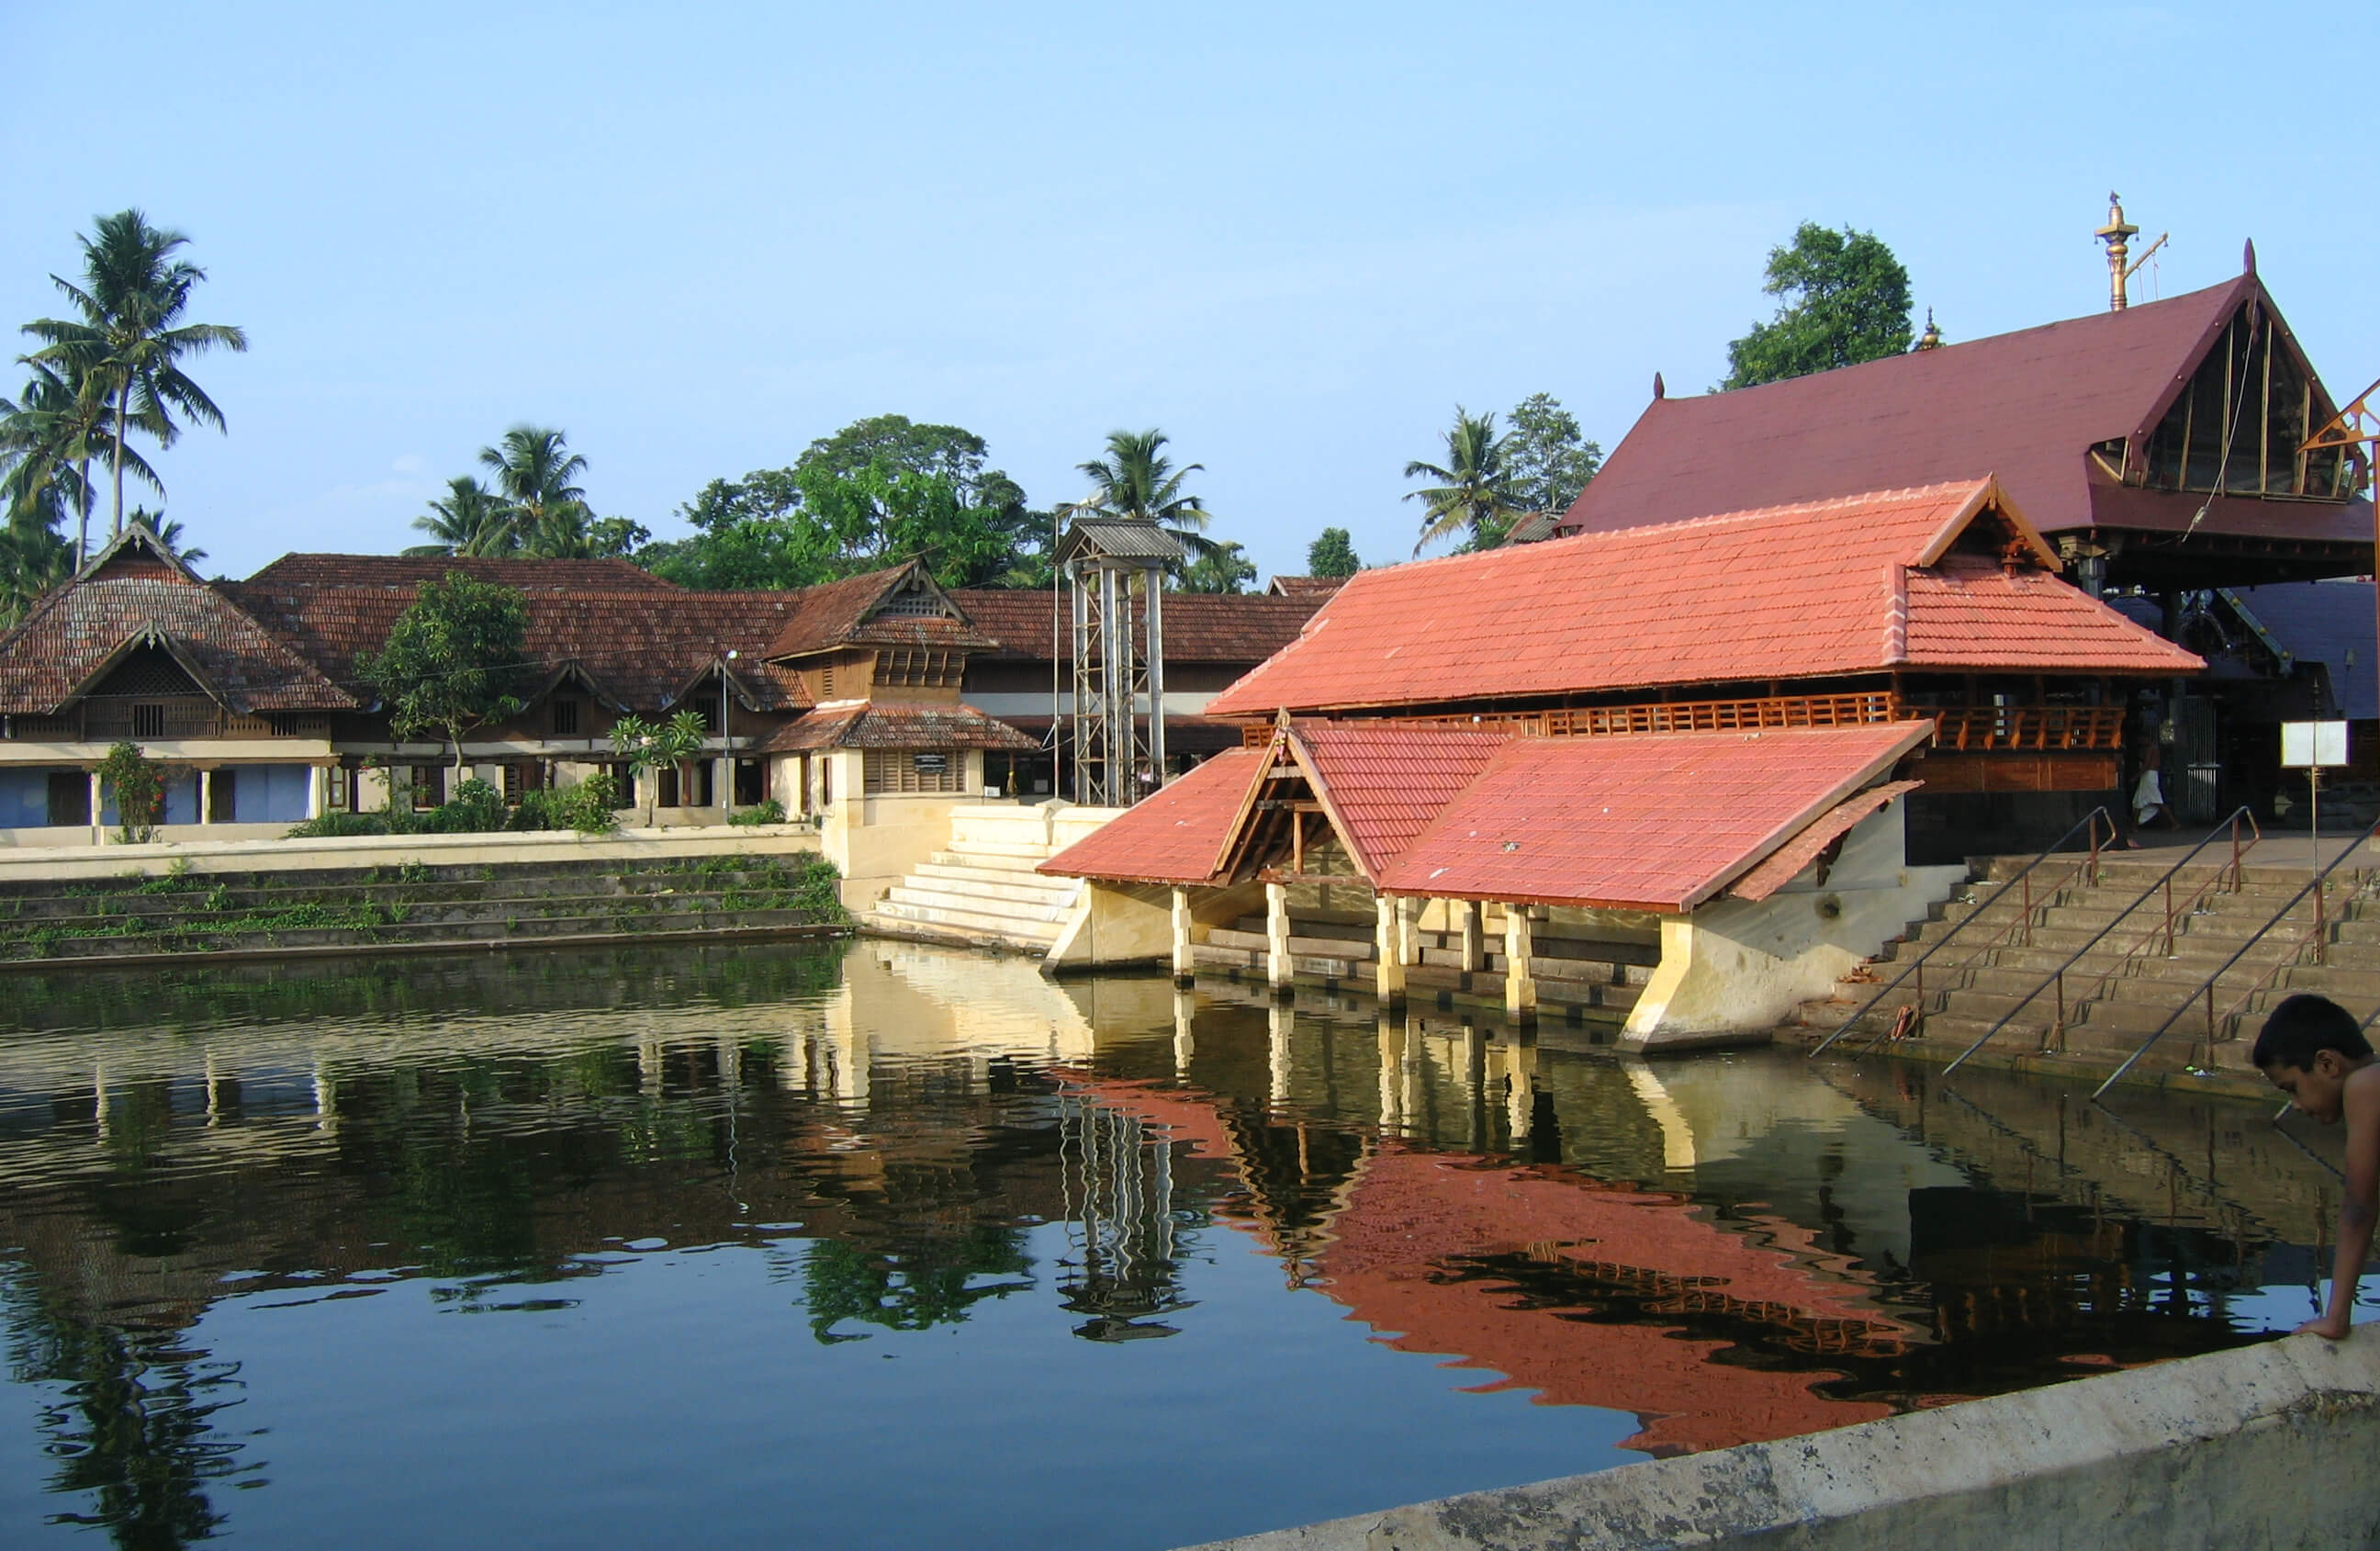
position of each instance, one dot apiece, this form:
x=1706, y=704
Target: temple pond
x=878, y=1245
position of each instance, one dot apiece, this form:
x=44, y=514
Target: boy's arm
x=2357, y=1206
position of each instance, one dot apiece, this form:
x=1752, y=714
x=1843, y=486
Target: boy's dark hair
x=2305, y=1024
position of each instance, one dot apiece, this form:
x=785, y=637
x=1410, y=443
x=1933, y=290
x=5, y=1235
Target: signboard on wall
x=936, y=763
x=2308, y=744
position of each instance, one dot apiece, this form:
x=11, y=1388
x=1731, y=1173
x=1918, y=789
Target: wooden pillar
x=1474, y=936
x=1185, y=968
x=1388, y=951
x=1277, y=966
x=1520, y=986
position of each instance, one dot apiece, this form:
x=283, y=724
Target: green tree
x=1225, y=567
x=168, y=532
x=454, y=661
x=1333, y=554
x=1844, y=300
x=48, y=439
x=1550, y=457
x=1137, y=480
x=471, y=520
x=130, y=337
x=533, y=469
x=897, y=440
x=1472, y=493
x=32, y=561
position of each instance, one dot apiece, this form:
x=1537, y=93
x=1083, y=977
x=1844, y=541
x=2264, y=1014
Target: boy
x=2312, y=1049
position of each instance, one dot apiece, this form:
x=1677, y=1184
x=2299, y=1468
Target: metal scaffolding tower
x=1116, y=674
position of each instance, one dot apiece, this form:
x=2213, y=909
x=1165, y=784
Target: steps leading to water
x=2124, y=985
x=412, y=907
x=983, y=891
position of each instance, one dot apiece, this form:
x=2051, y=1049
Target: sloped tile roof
x=1317, y=587
x=1382, y=782
x=2324, y=623
x=871, y=725
x=75, y=630
x=837, y=614
x=1660, y=822
x=2028, y=406
x=1820, y=589
x=1785, y=864
x=1174, y=836
x=408, y=571
x=1197, y=626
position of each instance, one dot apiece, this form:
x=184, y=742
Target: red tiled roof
x=1174, y=836
x=76, y=630
x=1822, y=588
x=1199, y=626
x=1382, y=782
x=2027, y=406
x=1785, y=864
x=838, y=614
x=408, y=572
x=868, y=725
x=1659, y=822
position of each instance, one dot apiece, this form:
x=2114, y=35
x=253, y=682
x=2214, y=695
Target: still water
x=890, y=1246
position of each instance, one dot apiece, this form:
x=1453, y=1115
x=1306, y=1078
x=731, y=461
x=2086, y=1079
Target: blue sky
x=1293, y=238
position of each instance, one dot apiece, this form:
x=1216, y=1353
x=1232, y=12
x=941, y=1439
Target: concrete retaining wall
x=278, y=854
x=2270, y=1446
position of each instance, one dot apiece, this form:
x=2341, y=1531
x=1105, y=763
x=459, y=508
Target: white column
x=1519, y=986
x=1277, y=965
x=98, y=825
x=318, y=791
x=1474, y=936
x=1185, y=967
x=1388, y=954
x=722, y=787
x=206, y=794
x=1409, y=930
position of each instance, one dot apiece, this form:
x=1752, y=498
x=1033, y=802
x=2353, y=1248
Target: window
x=914, y=603
x=147, y=721
x=927, y=669
x=903, y=771
x=513, y=783
x=340, y=788
x=665, y=785
x=429, y=786
x=566, y=718
x=751, y=783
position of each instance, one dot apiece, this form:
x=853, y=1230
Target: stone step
x=906, y=897
x=1001, y=886
x=1024, y=864
x=989, y=925
x=993, y=850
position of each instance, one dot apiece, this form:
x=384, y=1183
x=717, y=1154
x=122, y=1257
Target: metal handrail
x=2320, y=931
x=2230, y=826
x=2089, y=821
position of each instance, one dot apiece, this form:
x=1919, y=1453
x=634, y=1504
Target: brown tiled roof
x=1199, y=626
x=1317, y=587
x=408, y=571
x=837, y=614
x=78, y=629
x=1823, y=588
x=639, y=647
x=868, y=725
x=2027, y=406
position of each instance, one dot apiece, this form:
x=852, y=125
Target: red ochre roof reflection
x=1392, y=1250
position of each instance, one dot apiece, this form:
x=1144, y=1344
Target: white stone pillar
x=206, y=794
x=1277, y=965
x=1185, y=967
x=1520, y=986
x=1409, y=930
x=1388, y=951
x=98, y=825
x=1474, y=936
x=318, y=791
x=723, y=785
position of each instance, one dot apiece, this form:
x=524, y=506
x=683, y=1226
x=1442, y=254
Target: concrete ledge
x=279, y=854
x=2269, y=1446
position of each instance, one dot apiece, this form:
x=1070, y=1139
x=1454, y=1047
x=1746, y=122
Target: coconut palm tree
x=533, y=468
x=1474, y=492
x=168, y=532
x=471, y=520
x=31, y=563
x=47, y=441
x=1136, y=479
x=130, y=337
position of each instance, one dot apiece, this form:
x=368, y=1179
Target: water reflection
x=911, y=1143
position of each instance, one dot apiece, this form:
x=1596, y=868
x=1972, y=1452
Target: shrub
x=476, y=808
x=342, y=824
x=138, y=783
x=539, y=810
x=591, y=807
x=771, y=811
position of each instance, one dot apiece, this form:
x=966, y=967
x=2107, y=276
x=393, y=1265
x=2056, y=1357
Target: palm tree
x=565, y=533
x=130, y=337
x=471, y=520
x=533, y=468
x=1474, y=492
x=1138, y=480
x=31, y=563
x=47, y=441
x=168, y=532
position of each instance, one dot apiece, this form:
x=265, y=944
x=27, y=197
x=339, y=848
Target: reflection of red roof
x=1174, y=836
x=1657, y=822
x=1858, y=585
x=1411, y=1214
x=2028, y=406
x=1383, y=782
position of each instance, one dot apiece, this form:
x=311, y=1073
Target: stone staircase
x=1338, y=945
x=982, y=890
x=2123, y=986
x=413, y=907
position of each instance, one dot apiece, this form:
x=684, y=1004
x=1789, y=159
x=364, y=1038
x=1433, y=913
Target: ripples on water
x=903, y=1248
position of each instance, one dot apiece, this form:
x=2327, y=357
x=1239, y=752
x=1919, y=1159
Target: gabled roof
x=865, y=724
x=1316, y=587
x=1135, y=538
x=1175, y=835
x=1823, y=588
x=408, y=572
x=1382, y=782
x=2027, y=406
x=1197, y=626
x=846, y=613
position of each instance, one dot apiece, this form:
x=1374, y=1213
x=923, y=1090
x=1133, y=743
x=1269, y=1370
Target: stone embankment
x=135, y=919
x=2128, y=979
x=2266, y=1446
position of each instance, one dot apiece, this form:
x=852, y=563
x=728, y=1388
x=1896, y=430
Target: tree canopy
x=1333, y=554
x=1843, y=299
x=1473, y=493
x=456, y=660
x=1551, y=458
x=535, y=508
x=1224, y=567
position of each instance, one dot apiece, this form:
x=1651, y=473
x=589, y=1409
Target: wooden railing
x=167, y=721
x=1960, y=729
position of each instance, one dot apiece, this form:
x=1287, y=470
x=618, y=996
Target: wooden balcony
x=1966, y=728
x=169, y=720
x=1984, y=729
